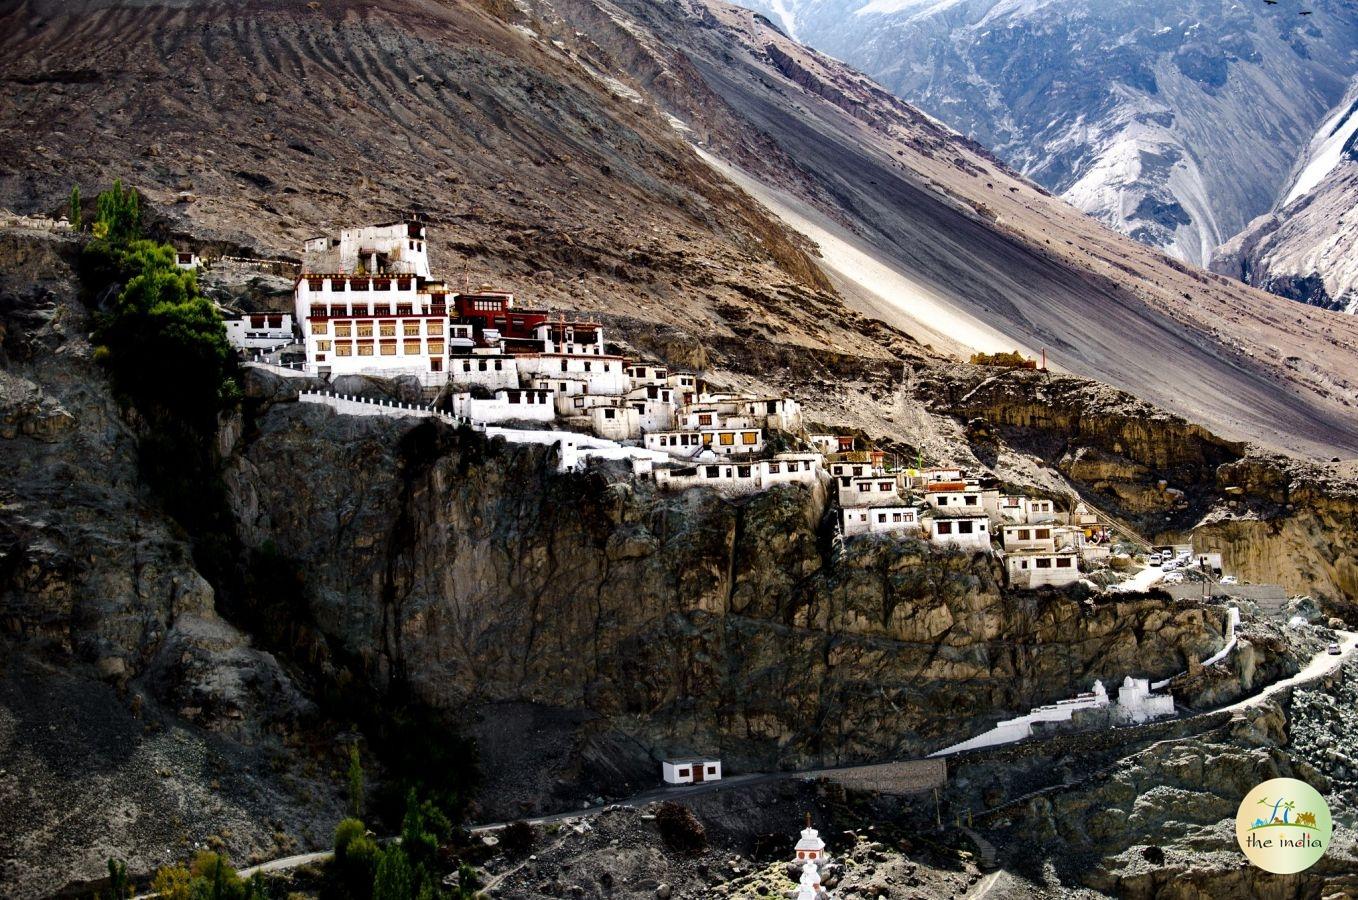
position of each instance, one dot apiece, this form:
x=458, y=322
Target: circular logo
x=1283, y=826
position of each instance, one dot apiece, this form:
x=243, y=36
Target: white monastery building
x=690, y=771
x=856, y=520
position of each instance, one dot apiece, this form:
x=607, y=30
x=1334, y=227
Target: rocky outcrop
x=133, y=718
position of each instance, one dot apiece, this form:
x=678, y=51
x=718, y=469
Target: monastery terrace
x=365, y=303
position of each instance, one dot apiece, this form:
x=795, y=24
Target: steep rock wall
x=688, y=623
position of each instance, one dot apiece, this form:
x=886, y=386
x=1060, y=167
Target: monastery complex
x=366, y=303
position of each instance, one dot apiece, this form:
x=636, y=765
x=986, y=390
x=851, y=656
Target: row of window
x=964, y=500
x=1045, y=562
x=1038, y=534
x=866, y=486
x=384, y=329
x=385, y=348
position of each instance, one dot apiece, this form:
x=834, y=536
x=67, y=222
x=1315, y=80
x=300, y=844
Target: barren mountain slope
x=281, y=120
x=958, y=230
x=1174, y=121
x=538, y=143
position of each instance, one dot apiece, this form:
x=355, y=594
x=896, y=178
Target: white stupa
x=810, y=848
x=809, y=887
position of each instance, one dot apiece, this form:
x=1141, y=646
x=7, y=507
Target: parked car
x=1185, y=557
x=1229, y=579
x=1334, y=649
x=1153, y=560
x=1174, y=578
x=1170, y=565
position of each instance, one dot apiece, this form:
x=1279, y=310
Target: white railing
x=350, y=405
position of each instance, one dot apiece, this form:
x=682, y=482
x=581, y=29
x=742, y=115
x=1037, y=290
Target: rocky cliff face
x=688, y=623
x=1274, y=519
x=133, y=717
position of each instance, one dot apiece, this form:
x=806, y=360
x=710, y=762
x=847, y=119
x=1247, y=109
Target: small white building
x=1137, y=704
x=616, y=423
x=685, y=386
x=184, y=259
x=856, y=520
x=490, y=370
x=842, y=471
x=641, y=374
x=966, y=532
x=726, y=441
x=1041, y=568
x=954, y=496
x=690, y=771
x=679, y=444
x=1018, y=538
x=868, y=490
x=940, y=474
x=507, y=406
x=259, y=331
x=776, y=413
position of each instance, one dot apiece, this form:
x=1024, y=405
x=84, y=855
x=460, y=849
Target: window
x=388, y=348
x=884, y=486
x=387, y=329
x=1023, y=534
x=945, y=528
x=897, y=517
x=1044, y=563
x=322, y=346
x=412, y=348
x=775, y=468
x=343, y=329
x=609, y=413
x=749, y=437
x=411, y=329
x=589, y=366
x=365, y=329
x=682, y=773
x=435, y=328
x=743, y=471
x=704, y=419
x=881, y=517
x=563, y=365
x=707, y=439
x=713, y=471
x=864, y=488
x=970, y=500
x=513, y=397
x=481, y=366
x=436, y=348
x=403, y=309
x=320, y=327
x=365, y=349
x=345, y=349
x=965, y=527
x=1063, y=563
x=728, y=438
x=500, y=366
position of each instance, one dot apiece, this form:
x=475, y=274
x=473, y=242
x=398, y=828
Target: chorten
x=809, y=887
x=810, y=848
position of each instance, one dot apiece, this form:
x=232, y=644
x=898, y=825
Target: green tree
x=118, y=216
x=394, y=879
x=118, y=886
x=75, y=215
x=355, y=782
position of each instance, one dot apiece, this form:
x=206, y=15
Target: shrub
x=518, y=837
x=346, y=832
x=171, y=883
x=680, y=828
x=394, y=879
x=1012, y=360
x=354, y=778
x=119, y=214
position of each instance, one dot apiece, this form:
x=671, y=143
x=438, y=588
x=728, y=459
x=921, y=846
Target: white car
x=1185, y=557
x=1229, y=579
x=1153, y=560
x=1334, y=650
x=1174, y=578
x=1170, y=565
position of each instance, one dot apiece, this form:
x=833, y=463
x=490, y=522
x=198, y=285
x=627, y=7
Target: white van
x=1154, y=560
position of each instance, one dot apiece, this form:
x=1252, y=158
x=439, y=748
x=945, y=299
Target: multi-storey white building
x=602, y=373
x=968, y=532
x=365, y=303
x=489, y=369
x=868, y=490
x=785, y=468
x=1039, y=568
